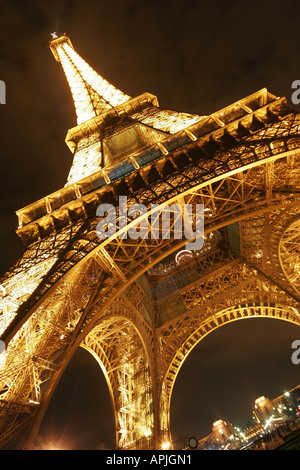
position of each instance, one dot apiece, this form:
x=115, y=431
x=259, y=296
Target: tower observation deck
x=110, y=123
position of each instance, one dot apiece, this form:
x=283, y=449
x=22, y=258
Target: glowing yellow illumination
x=92, y=94
x=166, y=445
x=65, y=303
x=167, y=121
x=216, y=423
x=18, y=288
x=259, y=400
x=289, y=253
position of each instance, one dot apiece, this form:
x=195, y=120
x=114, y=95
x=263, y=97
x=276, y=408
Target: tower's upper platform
x=110, y=124
x=124, y=141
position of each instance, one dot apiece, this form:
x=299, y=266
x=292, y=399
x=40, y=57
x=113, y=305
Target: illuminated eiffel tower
x=139, y=306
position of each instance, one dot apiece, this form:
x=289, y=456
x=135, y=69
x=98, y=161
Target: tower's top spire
x=110, y=124
x=92, y=94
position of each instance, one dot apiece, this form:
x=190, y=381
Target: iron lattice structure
x=139, y=306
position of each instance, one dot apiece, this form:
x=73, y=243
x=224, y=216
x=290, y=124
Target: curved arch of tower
x=120, y=343
x=140, y=304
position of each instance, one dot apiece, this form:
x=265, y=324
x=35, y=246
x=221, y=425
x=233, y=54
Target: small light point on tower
x=58, y=40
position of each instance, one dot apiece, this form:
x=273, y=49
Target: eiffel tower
x=140, y=305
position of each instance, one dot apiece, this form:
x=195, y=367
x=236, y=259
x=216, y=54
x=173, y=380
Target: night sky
x=196, y=57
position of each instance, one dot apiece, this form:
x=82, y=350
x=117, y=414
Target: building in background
x=281, y=413
x=222, y=430
x=263, y=409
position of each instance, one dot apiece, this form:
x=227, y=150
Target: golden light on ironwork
x=127, y=301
